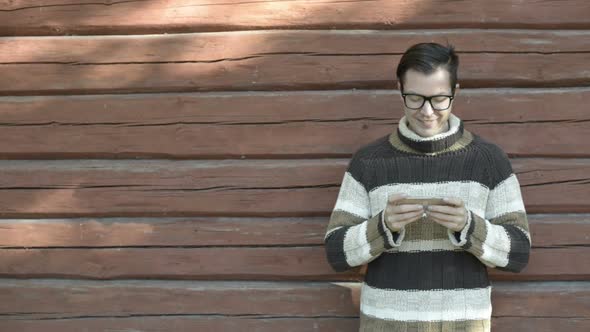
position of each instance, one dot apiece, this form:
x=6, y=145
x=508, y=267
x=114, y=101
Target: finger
x=395, y=197
x=454, y=201
x=445, y=217
x=403, y=215
x=408, y=216
x=443, y=209
x=407, y=208
x=400, y=223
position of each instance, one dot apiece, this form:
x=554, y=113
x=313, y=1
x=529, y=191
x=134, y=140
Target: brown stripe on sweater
x=462, y=142
x=340, y=218
x=516, y=218
x=479, y=235
x=375, y=236
x=425, y=230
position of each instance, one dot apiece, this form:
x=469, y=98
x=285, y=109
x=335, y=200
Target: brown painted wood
x=249, y=188
x=276, y=125
x=559, y=230
x=547, y=231
x=534, y=174
x=152, y=297
x=288, y=324
x=285, y=72
x=219, y=304
x=117, y=17
x=551, y=264
x=291, y=263
x=335, y=299
x=232, y=46
x=243, y=263
x=540, y=324
x=188, y=323
x=572, y=295
x=128, y=232
x=169, y=188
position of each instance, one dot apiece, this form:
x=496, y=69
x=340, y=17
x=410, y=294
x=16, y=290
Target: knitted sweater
x=427, y=277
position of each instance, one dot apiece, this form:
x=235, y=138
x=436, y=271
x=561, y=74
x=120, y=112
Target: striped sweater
x=427, y=277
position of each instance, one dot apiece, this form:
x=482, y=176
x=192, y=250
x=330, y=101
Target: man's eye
x=415, y=98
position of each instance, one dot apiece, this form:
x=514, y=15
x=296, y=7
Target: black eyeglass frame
x=429, y=99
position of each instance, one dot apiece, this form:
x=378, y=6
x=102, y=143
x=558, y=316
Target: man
x=427, y=267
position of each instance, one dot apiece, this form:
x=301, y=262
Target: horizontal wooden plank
x=187, y=305
x=276, y=125
x=539, y=324
x=117, y=17
x=272, y=324
x=247, y=188
x=232, y=46
x=537, y=303
x=284, y=72
x=316, y=299
x=547, y=231
x=190, y=323
x=243, y=263
x=237, y=234
x=153, y=297
x=145, y=232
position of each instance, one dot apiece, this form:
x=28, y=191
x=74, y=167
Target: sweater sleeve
x=500, y=239
x=354, y=237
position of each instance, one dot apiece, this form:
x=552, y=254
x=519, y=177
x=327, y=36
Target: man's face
x=426, y=121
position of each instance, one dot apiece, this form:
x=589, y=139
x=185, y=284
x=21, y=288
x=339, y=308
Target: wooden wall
x=171, y=165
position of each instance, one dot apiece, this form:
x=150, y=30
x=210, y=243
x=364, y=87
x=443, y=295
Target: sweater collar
x=432, y=144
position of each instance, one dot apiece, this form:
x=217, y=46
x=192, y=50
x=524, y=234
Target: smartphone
x=425, y=201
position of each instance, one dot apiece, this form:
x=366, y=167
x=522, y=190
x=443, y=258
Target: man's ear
x=456, y=88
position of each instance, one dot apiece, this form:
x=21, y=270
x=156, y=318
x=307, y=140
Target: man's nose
x=427, y=109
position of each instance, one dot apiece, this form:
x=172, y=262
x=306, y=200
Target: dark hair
x=428, y=57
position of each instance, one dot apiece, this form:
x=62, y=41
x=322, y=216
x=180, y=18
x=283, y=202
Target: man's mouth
x=428, y=123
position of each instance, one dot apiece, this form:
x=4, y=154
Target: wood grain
x=237, y=45
x=234, y=248
x=285, y=72
x=187, y=323
x=196, y=322
x=276, y=125
x=248, y=188
x=547, y=231
x=276, y=60
x=339, y=299
x=117, y=17
x=242, y=263
x=187, y=305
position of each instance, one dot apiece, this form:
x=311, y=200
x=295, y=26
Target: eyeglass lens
x=437, y=103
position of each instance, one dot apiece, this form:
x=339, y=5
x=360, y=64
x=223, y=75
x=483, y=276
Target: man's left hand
x=452, y=216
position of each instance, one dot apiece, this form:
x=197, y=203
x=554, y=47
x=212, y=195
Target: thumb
x=395, y=197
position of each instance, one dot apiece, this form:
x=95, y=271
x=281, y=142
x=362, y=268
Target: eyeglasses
x=416, y=101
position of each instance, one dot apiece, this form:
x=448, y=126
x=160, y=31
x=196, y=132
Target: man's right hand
x=398, y=216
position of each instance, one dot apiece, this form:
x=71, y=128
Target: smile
x=428, y=122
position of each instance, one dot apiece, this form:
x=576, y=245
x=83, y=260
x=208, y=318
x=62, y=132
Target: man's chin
x=424, y=132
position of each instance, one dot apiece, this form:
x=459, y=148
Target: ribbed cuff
x=462, y=234
x=394, y=239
